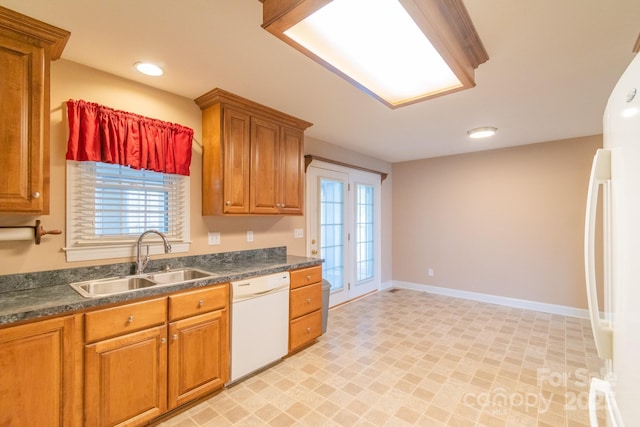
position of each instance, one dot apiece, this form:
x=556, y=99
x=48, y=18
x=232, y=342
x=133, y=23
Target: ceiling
x=552, y=65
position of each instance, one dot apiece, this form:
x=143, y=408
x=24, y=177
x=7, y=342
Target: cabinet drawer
x=197, y=302
x=305, y=329
x=305, y=300
x=124, y=319
x=306, y=276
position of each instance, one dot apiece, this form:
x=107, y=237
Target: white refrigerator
x=616, y=322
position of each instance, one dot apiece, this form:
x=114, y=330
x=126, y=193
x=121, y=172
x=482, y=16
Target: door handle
x=600, y=175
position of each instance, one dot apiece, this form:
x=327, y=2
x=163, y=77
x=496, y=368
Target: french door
x=343, y=224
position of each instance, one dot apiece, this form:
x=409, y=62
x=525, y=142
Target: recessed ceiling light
x=482, y=132
x=149, y=69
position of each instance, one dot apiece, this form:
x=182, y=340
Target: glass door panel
x=343, y=228
x=364, y=232
x=332, y=231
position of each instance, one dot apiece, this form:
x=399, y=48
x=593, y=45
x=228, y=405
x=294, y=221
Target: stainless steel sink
x=180, y=275
x=110, y=286
x=119, y=285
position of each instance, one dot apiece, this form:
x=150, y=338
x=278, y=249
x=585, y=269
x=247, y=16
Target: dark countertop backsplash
x=31, y=295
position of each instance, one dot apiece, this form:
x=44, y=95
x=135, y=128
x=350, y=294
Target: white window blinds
x=111, y=205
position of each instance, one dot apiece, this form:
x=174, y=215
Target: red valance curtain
x=102, y=134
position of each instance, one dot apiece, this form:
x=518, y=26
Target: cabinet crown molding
x=220, y=96
x=45, y=35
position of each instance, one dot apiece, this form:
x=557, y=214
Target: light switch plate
x=214, y=238
x=298, y=233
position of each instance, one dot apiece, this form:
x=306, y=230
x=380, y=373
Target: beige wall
x=507, y=222
x=73, y=81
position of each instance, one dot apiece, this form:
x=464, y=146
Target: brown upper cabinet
x=252, y=161
x=27, y=46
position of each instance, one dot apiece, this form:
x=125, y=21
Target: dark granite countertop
x=34, y=295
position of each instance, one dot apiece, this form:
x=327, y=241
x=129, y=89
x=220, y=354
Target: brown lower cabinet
x=38, y=380
x=305, y=307
x=143, y=364
x=141, y=359
x=198, y=344
x=126, y=378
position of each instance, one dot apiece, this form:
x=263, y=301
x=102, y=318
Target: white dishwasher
x=259, y=323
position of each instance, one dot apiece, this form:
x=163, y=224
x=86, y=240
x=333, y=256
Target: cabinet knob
x=35, y=194
x=308, y=300
x=228, y=203
x=308, y=278
x=200, y=303
x=174, y=337
x=130, y=319
x=163, y=340
x=308, y=330
x=314, y=252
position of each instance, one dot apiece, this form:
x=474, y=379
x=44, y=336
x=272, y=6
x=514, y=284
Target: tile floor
x=407, y=358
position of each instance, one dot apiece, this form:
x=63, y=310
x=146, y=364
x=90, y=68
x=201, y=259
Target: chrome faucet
x=141, y=263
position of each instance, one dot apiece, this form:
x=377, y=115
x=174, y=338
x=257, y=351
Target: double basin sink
x=118, y=285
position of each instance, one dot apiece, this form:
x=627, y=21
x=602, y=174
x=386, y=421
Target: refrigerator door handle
x=614, y=419
x=600, y=174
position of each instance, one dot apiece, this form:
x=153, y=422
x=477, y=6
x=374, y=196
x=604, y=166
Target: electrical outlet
x=298, y=233
x=430, y=272
x=249, y=236
x=214, y=238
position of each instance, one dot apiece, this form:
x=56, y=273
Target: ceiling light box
x=398, y=51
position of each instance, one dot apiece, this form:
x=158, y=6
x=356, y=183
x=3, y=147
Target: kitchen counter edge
x=31, y=304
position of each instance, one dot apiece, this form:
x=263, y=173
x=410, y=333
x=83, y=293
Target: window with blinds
x=109, y=206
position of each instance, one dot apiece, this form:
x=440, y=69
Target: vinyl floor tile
x=407, y=358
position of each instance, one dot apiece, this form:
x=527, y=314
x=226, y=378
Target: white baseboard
x=386, y=285
x=493, y=299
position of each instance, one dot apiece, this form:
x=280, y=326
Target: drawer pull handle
x=175, y=337
x=200, y=303
x=130, y=319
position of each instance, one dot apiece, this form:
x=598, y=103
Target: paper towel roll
x=26, y=233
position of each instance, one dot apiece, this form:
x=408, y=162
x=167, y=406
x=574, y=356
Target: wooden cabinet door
x=126, y=378
x=24, y=123
x=198, y=356
x=236, y=161
x=291, y=171
x=265, y=161
x=37, y=365
x=277, y=185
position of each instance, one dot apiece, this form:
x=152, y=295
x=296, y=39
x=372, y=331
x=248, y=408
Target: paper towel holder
x=38, y=231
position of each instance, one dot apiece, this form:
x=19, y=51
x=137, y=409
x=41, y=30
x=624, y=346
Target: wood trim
x=45, y=35
x=280, y=15
x=220, y=96
x=310, y=157
x=465, y=32
x=636, y=47
x=445, y=22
